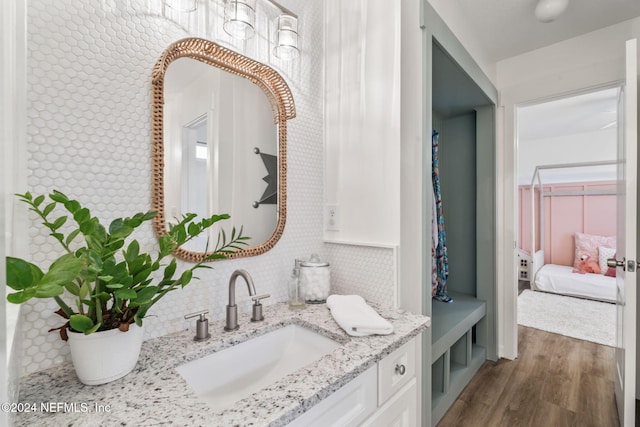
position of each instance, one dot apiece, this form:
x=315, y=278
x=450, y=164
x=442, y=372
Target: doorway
x=565, y=215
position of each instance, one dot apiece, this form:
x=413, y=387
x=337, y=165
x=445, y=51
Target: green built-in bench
x=455, y=355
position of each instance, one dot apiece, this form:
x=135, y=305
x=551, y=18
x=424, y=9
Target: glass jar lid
x=314, y=261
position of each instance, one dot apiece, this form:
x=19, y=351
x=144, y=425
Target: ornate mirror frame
x=273, y=86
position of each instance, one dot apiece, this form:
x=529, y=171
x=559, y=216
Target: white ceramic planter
x=105, y=356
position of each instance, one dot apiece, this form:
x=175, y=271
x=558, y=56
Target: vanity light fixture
x=240, y=18
x=286, y=37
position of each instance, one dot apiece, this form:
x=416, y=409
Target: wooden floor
x=557, y=381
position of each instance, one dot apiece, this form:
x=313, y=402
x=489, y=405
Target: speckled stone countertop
x=155, y=394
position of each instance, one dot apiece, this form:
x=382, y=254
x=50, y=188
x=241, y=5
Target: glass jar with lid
x=315, y=280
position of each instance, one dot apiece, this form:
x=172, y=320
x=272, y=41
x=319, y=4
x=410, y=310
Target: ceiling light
x=549, y=10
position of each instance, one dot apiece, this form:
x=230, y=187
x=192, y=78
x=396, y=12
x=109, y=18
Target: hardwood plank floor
x=557, y=381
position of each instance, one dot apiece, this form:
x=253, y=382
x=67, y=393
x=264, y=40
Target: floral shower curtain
x=440, y=262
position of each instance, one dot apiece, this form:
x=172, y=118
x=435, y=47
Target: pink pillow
x=587, y=244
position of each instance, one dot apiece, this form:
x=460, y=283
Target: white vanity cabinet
x=384, y=395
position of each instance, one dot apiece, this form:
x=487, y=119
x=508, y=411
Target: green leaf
x=141, y=276
x=132, y=251
x=72, y=288
x=149, y=215
x=93, y=243
x=48, y=290
x=47, y=209
x=105, y=278
x=146, y=294
x=115, y=285
x=21, y=274
x=57, y=196
x=72, y=206
x=82, y=215
x=58, y=236
x=80, y=322
x=38, y=201
x=126, y=293
x=89, y=302
x=72, y=236
x=194, y=229
x=170, y=269
x=22, y=296
x=63, y=271
x=59, y=222
x=119, y=230
x=85, y=289
x=92, y=330
x=186, y=277
x=103, y=296
x=88, y=228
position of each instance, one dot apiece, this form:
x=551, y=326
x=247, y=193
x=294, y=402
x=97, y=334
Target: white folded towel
x=356, y=317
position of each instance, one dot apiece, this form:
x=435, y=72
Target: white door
x=626, y=241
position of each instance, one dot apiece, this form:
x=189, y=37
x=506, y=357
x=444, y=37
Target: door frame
x=508, y=203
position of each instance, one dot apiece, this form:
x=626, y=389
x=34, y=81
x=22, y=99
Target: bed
x=560, y=279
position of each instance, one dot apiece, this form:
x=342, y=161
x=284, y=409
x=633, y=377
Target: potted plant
x=111, y=283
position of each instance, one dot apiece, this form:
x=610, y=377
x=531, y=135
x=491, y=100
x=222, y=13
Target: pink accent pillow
x=587, y=244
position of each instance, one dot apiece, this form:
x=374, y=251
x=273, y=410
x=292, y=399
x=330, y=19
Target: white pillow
x=605, y=253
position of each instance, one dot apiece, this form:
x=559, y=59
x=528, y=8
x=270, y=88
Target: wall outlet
x=332, y=217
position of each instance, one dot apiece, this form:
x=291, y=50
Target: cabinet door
x=400, y=411
x=346, y=407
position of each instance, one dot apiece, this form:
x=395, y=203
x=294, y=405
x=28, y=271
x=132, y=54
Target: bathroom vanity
x=362, y=381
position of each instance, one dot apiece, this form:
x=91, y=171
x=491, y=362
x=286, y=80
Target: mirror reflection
x=221, y=148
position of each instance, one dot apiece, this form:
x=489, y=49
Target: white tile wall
x=89, y=67
x=364, y=270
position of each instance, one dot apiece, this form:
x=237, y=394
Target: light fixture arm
x=281, y=8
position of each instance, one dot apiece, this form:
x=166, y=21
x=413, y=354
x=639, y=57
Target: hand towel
x=356, y=317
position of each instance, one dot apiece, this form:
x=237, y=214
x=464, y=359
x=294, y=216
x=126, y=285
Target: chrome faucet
x=232, y=308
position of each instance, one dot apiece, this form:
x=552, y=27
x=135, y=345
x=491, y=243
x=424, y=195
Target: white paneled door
x=626, y=240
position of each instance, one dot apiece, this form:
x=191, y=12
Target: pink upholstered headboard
x=566, y=215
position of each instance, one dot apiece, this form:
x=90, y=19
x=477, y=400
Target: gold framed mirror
x=246, y=75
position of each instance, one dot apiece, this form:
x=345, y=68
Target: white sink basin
x=225, y=377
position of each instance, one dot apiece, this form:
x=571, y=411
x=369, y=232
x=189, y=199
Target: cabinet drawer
x=395, y=370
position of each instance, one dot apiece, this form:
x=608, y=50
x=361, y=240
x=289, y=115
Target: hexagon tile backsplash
x=88, y=110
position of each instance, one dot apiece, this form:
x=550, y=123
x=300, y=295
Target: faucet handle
x=202, y=315
x=202, y=325
x=257, y=298
x=256, y=315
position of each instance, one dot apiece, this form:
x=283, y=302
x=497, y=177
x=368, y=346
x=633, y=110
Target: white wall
x=362, y=119
x=458, y=22
x=599, y=145
x=590, y=61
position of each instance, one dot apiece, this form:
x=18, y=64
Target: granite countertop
x=155, y=394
